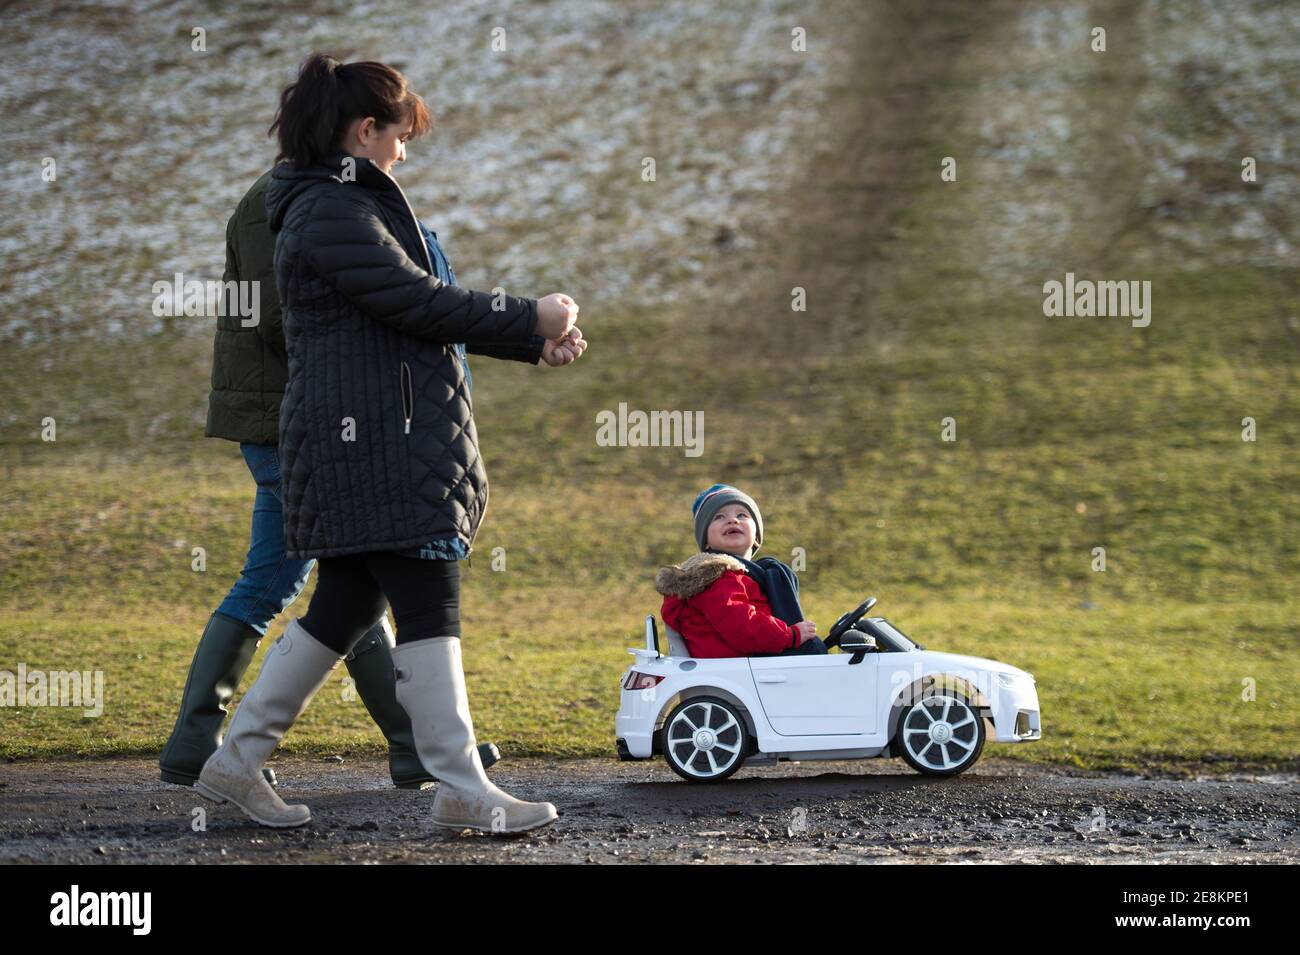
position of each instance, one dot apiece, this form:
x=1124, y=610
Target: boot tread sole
x=496, y=832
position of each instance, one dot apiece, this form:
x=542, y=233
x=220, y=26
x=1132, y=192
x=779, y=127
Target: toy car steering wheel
x=849, y=621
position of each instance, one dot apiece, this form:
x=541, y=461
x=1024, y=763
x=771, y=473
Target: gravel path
x=870, y=811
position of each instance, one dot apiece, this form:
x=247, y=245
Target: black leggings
x=351, y=593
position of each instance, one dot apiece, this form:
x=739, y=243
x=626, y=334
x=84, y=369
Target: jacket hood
x=289, y=182
x=695, y=574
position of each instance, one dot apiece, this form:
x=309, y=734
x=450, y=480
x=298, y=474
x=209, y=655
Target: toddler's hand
x=807, y=630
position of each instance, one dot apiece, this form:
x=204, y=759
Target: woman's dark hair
x=315, y=109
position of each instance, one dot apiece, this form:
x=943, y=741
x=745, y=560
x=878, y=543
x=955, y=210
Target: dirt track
x=115, y=811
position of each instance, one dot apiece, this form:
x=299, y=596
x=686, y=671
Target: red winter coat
x=719, y=610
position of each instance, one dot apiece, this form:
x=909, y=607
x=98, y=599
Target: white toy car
x=881, y=695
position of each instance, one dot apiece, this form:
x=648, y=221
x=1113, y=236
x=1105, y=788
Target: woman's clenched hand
x=556, y=314
x=566, y=350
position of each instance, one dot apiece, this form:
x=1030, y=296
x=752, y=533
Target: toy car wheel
x=941, y=735
x=705, y=739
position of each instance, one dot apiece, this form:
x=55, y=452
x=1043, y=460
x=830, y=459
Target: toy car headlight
x=1009, y=680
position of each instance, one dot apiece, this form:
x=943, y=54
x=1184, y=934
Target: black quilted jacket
x=377, y=442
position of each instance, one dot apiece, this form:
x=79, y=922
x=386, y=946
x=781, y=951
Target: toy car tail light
x=641, y=681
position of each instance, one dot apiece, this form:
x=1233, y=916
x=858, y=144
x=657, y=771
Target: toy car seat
x=676, y=645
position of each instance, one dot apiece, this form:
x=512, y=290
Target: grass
x=1159, y=684
x=1071, y=435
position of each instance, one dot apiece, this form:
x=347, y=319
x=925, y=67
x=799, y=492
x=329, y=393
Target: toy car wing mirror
x=857, y=643
x=856, y=640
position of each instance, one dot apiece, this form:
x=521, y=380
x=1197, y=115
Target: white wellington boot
x=431, y=688
x=295, y=668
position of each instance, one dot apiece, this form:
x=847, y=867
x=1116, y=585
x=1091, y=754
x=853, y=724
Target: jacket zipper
x=408, y=396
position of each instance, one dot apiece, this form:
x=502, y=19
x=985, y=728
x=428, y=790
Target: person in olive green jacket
x=249, y=372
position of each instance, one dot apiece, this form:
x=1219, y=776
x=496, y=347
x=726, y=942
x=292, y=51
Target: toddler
x=723, y=603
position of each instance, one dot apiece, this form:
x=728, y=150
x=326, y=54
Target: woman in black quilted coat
x=382, y=479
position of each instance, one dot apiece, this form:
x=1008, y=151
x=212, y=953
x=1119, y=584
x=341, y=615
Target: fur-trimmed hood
x=695, y=574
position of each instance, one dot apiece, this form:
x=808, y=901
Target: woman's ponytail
x=316, y=109
x=309, y=109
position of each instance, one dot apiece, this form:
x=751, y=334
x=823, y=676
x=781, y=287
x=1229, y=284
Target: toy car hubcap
x=940, y=732
x=704, y=739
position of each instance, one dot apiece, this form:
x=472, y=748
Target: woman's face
x=382, y=145
x=732, y=530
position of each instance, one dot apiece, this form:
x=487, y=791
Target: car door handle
x=770, y=678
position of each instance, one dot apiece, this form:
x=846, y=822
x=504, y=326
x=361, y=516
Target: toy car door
x=826, y=695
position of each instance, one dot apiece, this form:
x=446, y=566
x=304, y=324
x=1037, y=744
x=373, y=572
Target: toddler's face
x=732, y=530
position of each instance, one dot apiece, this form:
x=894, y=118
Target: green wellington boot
x=371, y=665
x=222, y=656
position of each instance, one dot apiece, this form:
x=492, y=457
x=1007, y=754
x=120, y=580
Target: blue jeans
x=270, y=581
